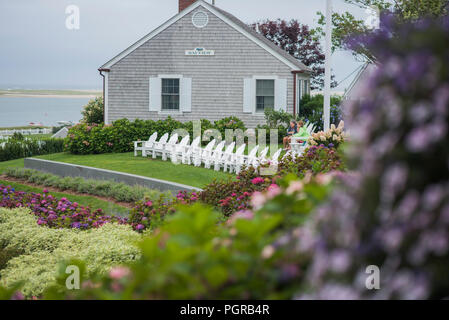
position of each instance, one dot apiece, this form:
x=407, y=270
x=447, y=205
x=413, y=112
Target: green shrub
x=43, y=248
x=93, y=112
x=119, y=137
x=229, y=123
x=16, y=149
x=195, y=256
x=110, y=189
x=311, y=109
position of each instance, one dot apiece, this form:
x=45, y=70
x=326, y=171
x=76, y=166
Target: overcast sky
x=38, y=51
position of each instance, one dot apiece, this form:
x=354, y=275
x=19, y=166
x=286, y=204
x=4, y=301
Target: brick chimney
x=184, y=4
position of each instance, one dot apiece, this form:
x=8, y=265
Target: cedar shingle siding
x=217, y=81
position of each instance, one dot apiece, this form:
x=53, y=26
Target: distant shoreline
x=75, y=94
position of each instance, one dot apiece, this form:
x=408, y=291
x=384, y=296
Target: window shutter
x=155, y=94
x=186, y=94
x=280, y=91
x=249, y=95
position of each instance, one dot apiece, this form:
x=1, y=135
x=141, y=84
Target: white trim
x=106, y=97
x=255, y=78
x=207, y=19
x=170, y=76
x=265, y=77
x=182, y=14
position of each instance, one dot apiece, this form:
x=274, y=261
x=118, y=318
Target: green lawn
x=126, y=162
x=18, y=163
x=92, y=202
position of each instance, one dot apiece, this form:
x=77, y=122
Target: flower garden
x=377, y=196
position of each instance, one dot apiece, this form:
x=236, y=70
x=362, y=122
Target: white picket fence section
x=25, y=131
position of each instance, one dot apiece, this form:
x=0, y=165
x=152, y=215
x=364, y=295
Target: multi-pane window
x=264, y=95
x=170, y=94
x=306, y=87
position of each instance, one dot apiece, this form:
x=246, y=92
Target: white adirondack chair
x=250, y=158
x=236, y=158
x=262, y=157
x=204, y=154
x=159, y=146
x=187, y=156
x=169, y=146
x=225, y=159
x=275, y=158
x=216, y=153
x=143, y=146
x=180, y=149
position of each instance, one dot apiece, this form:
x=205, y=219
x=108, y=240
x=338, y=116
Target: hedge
x=16, y=149
x=118, y=137
x=36, y=250
x=118, y=191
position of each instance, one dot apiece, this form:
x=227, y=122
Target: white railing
x=25, y=131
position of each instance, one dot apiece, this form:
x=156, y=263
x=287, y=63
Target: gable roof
x=229, y=19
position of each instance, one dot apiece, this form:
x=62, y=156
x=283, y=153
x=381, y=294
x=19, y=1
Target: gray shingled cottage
x=202, y=63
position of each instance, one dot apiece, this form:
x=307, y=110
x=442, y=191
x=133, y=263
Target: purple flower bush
x=394, y=213
x=53, y=212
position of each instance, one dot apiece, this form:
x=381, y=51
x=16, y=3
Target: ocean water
x=20, y=111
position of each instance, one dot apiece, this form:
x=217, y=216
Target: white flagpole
x=327, y=67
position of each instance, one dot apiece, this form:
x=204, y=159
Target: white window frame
x=255, y=78
x=171, y=76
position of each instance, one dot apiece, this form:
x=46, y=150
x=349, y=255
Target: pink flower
x=258, y=180
x=246, y=214
x=148, y=203
x=273, y=191
x=295, y=186
x=119, y=272
x=258, y=200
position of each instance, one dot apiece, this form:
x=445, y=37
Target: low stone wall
x=72, y=170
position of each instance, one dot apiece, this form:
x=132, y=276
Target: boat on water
x=65, y=123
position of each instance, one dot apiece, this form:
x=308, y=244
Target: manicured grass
x=126, y=162
x=92, y=202
x=18, y=163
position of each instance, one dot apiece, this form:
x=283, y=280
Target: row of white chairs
x=216, y=155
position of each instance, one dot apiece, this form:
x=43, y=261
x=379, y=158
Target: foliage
x=311, y=110
x=17, y=136
x=110, y=189
x=93, y=112
x=146, y=167
x=345, y=25
x=332, y=138
x=55, y=213
x=315, y=160
x=275, y=120
x=194, y=256
x=119, y=137
x=148, y=215
x=229, y=123
x=232, y=196
x=394, y=212
x=299, y=41
x=16, y=149
x=39, y=251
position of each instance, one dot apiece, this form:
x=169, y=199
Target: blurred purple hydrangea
x=396, y=216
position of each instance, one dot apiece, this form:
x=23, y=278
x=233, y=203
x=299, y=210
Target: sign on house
x=200, y=52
